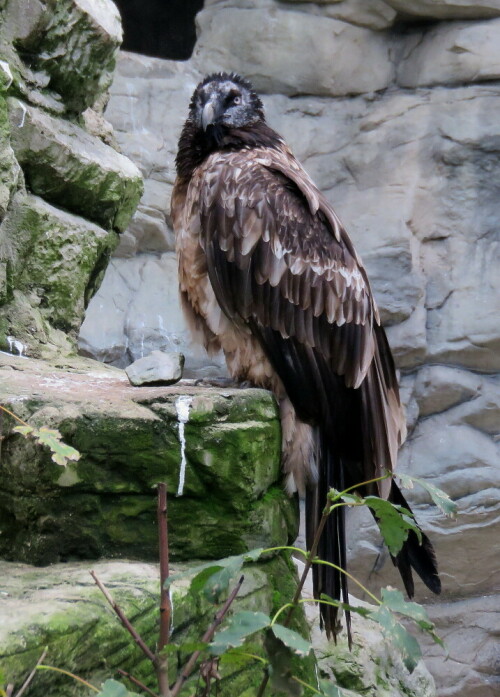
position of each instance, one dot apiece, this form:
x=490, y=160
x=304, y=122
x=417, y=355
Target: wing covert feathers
x=272, y=277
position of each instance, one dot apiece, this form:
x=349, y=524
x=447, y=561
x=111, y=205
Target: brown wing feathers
x=283, y=269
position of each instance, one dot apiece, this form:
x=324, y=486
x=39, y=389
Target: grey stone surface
x=413, y=174
x=72, y=43
x=374, y=14
x=447, y=9
x=342, y=59
x=69, y=167
x=454, y=53
x=136, y=310
x=158, y=368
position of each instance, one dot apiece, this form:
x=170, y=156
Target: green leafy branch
x=51, y=438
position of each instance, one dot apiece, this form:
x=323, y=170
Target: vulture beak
x=208, y=115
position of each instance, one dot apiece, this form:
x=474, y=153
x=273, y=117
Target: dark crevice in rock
x=159, y=29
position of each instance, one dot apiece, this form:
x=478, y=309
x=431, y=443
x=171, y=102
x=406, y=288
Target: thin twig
x=186, y=671
x=137, y=682
x=30, y=677
x=124, y=620
x=165, y=607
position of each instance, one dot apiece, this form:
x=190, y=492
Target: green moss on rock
x=104, y=504
x=72, y=169
x=54, y=256
x=61, y=608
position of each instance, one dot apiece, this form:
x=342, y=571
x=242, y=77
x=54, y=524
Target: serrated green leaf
x=241, y=625
x=61, y=452
x=218, y=582
x=330, y=690
x=213, y=577
x=395, y=601
x=113, y=688
x=52, y=439
x=199, y=581
x=394, y=522
x=440, y=497
x=292, y=639
x=399, y=636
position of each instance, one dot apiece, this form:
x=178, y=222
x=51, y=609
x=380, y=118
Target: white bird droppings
x=182, y=407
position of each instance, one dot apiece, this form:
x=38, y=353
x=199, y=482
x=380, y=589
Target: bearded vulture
x=268, y=274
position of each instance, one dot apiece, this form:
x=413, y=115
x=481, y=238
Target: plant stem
x=206, y=638
x=351, y=577
x=137, y=682
x=165, y=607
x=124, y=620
x=30, y=677
x=305, y=684
x=10, y=413
x=71, y=675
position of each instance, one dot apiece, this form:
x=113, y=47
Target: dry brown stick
x=165, y=607
x=30, y=677
x=309, y=561
x=137, y=682
x=186, y=671
x=124, y=620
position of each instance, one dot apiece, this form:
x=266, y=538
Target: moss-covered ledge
x=228, y=500
x=61, y=608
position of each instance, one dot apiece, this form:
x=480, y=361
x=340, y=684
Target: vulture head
x=224, y=101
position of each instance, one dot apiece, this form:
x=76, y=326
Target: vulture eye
x=233, y=97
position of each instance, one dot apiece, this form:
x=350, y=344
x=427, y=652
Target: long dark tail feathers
x=420, y=557
x=332, y=544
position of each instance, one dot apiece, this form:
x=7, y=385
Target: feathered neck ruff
x=195, y=145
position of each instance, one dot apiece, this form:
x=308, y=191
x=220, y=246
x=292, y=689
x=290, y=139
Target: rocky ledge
x=218, y=452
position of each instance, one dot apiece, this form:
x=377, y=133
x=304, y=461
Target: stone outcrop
x=56, y=62
x=412, y=170
x=218, y=452
x=61, y=609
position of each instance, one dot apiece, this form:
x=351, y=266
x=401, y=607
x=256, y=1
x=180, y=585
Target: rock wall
x=65, y=193
x=392, y=108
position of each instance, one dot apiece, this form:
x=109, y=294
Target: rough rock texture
x=60, y=608
x=72, y=45
x=217, y=452
x=54, y=257
x=412, y=170
x=57, y=59
x=342, y=59
x=156, y=368
x=462, y=52
x=447, y=9
x=73, y=169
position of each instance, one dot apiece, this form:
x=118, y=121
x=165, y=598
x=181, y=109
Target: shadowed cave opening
x=159, y=28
